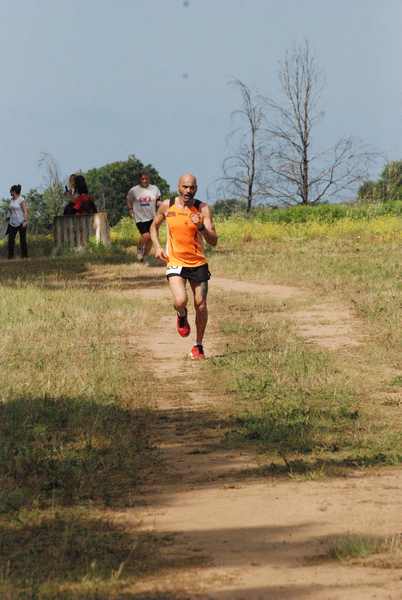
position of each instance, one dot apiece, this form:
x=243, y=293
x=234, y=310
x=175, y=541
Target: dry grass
x=77, y=403
x=319, y=411
x=362, y=271
x=371, y=551
x=75, y=424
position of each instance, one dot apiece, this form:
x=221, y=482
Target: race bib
x=173, y=270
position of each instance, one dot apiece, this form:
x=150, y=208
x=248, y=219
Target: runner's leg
x=140, y=247
x=178, y=289
x=200, y=292
x=147, y=243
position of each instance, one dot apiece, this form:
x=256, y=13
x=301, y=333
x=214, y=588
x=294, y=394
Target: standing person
x=189, y=222
x=18, y=222
x=142, y=202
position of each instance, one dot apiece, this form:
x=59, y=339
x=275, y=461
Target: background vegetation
x=108, y=185
x=387, y=187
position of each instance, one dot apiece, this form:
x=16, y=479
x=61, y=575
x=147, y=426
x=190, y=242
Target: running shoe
x=183, y=326
x=197, y=352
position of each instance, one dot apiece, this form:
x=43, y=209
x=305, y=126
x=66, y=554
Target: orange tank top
x=184, y=242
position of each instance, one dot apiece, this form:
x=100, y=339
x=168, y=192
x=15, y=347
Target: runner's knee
x=146, y=237
x=180, y=302
x=200, y=304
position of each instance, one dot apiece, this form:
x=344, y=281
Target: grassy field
x=316, y=410
x=356, y=260
x=77, y=403
x=307, y=410
x=76, y=407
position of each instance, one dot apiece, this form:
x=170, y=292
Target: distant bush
x=323, y=213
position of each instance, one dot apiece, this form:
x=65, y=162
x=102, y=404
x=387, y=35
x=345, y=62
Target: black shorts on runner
x=144, y=227
x=197, y=274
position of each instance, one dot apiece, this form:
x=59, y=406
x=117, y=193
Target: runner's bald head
x=187, y=186
x=188, y=176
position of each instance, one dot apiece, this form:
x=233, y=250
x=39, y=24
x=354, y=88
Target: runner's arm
x=207, y=227
x=154, y=230
x=158, y=200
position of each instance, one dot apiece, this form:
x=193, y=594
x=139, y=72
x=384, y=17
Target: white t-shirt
x=144, y=202
x=16, y=213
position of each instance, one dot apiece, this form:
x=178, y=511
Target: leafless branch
x=241, y=176
x=293, y=168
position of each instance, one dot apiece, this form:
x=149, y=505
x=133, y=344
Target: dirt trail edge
x=226, y=533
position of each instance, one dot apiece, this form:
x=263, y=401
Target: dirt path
x=328, y=324
x=224, y=531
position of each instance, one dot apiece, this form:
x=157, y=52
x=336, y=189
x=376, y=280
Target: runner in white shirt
x=142, y=202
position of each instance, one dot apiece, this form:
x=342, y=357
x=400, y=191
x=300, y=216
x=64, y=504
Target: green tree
x=391, y=180
x=388, y=186
x=110, y=184
x=39, y=219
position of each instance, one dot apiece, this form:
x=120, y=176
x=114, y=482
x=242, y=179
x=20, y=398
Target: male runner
x=189, y=222
x=142, y=201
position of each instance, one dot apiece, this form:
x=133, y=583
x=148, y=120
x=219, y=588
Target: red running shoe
x=197, y=352
x=183, y=326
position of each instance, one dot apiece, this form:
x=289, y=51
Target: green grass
x=356, y=546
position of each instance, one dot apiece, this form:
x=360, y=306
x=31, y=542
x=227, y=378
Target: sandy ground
x=226, y=531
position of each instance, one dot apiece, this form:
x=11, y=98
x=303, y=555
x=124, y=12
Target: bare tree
x=241, y=170
x=296, y=171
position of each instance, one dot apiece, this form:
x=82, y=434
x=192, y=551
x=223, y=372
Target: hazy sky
x=92, y=81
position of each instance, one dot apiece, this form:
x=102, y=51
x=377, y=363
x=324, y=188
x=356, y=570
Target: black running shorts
x=144, y=227
x=197, y=274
